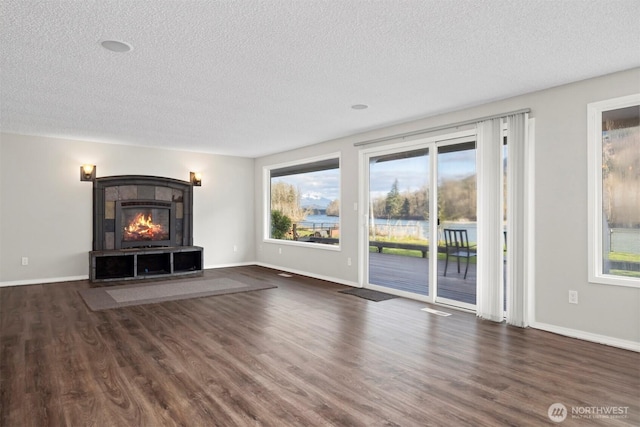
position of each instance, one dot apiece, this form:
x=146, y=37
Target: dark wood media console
x=145, y=263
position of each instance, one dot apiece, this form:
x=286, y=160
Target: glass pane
x=505, y=157
x=457, y=218
x=305, y=203
x=145, y=224
x=621, y=191
x=399, y=221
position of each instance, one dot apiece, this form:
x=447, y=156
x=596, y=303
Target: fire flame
x=143, y=228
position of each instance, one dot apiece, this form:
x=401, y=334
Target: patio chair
x=457, y=245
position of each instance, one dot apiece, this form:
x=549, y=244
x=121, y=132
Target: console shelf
x=145, y=263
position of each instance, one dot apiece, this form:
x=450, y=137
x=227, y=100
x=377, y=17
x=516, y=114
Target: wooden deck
x=410, y=274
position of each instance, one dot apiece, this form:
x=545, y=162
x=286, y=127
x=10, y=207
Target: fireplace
x=142, y=228
x=144, y=223
x=136, y=211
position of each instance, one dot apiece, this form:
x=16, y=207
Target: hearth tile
x=109, y=225
x=128, y=192
x=147, y=192
x=111, y=194
x=177, y=195
x=164, y=193
x=109, y=239
x=179, y=210
x=109, y=210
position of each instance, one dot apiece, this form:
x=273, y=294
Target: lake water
x=398, y=226
x=622, y=240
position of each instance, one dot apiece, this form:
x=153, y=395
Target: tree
x=457, y=199
x=419, y=203
x=621, y=173
x=406, y=208
x=286, y=199
x=393, y=203
x=334, y=208
x=413, y=204
x=280, y=225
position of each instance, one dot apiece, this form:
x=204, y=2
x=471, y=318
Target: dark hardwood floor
x=298, y=355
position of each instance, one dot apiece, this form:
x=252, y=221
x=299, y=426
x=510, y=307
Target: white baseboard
x=588, y=336
x=43, y=281
x=307, y=274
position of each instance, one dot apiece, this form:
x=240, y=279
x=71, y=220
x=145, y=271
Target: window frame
x=594, y=146
x=266, y=192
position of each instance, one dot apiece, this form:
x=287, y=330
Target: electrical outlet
x=235, y=248
x=280, y=251
x=349, y=261
x=573, y=297
x=25, y=260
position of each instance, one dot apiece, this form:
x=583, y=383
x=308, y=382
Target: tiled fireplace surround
x=113, y=261
x=109, y=190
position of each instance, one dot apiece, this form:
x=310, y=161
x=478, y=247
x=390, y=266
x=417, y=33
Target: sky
x=325, y=184
x=412, y=174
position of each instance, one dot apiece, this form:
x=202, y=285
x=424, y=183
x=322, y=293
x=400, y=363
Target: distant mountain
x=314, y=201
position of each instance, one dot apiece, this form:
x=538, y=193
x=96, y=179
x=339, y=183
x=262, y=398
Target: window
x=303, y=202
x=614, y=191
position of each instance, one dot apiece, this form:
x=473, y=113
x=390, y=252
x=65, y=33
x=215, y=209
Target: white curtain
x=517, y=218
x=490, y=268
x=489, y=283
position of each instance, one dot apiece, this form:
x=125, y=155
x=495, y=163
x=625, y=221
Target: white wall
x=46, y=211
x=605, y=312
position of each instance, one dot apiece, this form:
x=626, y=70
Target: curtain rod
x=436, y=128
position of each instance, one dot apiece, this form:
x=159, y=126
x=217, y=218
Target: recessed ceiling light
x=359, y=107
x=116, y=46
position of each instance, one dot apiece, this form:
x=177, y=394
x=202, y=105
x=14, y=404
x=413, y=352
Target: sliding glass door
x=398, y=225
x=445, y=215
x=457, y=215
x=421, y=221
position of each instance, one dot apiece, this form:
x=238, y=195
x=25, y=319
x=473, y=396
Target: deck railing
x=624, y=240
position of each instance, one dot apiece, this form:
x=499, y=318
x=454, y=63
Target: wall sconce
x=87, y=173
x=195, y=178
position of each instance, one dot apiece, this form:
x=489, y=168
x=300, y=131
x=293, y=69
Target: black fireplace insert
x=144, y=223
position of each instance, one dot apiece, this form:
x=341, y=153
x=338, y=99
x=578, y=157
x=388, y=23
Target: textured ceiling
x=254, y=77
